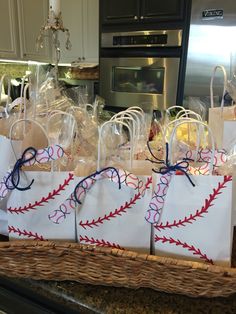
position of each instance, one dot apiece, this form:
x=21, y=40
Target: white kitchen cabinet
x=81, y=18
x=9, y=38
x=91, y=30
x=32, y=15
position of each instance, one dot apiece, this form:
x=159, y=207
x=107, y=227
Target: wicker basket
x=104, y=266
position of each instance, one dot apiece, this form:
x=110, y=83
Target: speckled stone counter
x=81, y=298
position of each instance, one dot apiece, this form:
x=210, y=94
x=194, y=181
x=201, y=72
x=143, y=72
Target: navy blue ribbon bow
x=168, y=168
x=13, y=180
x=92, y=176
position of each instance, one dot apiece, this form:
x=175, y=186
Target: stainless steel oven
x=139, y=68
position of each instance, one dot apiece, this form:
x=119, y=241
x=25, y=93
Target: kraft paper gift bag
x=222, y=120
x=192, y=222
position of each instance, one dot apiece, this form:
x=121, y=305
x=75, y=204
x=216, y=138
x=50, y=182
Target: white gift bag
x=192, y=222
x=222, y=120
x=197, y=225
x=36, y=213
x=113, y=203
x=113, y=217
x=46, y=210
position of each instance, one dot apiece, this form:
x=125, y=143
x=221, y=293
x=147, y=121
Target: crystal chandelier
x=54, y=24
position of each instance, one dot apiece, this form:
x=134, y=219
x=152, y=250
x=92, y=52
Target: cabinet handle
x=135, y=17
x=141, y=17
x=79, y=59
x=83, y=58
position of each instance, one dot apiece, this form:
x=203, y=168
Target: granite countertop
x=83, y=298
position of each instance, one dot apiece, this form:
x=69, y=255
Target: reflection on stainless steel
x=211, y=42
x=167, y=38
x=132, y=81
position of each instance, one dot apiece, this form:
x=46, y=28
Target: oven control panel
x=140, y=40
x=162, y=38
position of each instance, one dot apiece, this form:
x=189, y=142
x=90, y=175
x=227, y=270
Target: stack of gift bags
x=66, y=175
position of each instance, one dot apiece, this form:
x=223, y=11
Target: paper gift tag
x=115, y=218
x=37, y=213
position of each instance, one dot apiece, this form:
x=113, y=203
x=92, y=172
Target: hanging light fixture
x=54, y=24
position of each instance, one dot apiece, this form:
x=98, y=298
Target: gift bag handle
x=177, y=121
x=200, y=123
x=168, y=110
x=55, y=113
x=220, y=67
x=137, y=117
x=184, y=113
x=174, y=122
x=136, y=108
x=126, y=120
x=26, y=120
x=3, y=78
x=123, y=115
x=24, y=102
x=100, y=130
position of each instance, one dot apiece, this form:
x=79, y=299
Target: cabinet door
x=91, y=30
x=32, y=16
x=119, y=11
x=9, y=45
x=159, y=10
x=72, y=15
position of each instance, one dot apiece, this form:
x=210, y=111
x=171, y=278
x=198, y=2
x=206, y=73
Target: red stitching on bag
x=100, y=243
x=190, y=248
x=117, y=212
x=43, y=200
x=198, y=213
x=29, y=234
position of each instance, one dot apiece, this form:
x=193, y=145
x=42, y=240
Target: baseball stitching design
x=42, y=156
x=101, y=243
x=118, y=211
x=43, y=200
x=158, y=199
x=198, y=213
x=190, y=220
x=3, y=189
x=45, y=155
x=29, y=234
x=126, y=178
x=59, y=215
x=191, y=248
x=204, y=155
